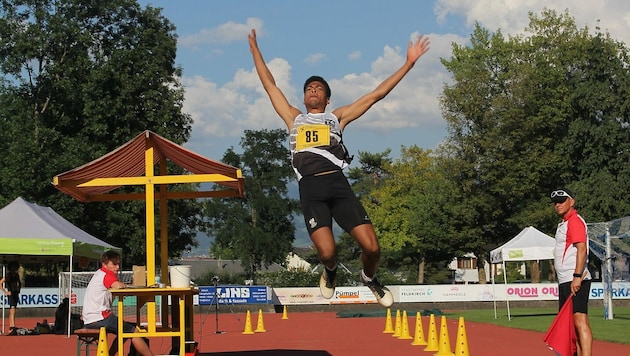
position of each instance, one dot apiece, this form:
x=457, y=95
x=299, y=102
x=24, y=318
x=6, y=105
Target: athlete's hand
x=417, y=49
x=251, y=37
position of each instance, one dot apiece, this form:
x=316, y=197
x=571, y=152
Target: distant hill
x=301, y=235
x=301, y=240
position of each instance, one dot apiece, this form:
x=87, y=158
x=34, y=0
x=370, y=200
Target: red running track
x=314, y=334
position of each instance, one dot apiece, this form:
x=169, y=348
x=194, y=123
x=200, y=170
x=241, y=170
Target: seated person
x=97, y=311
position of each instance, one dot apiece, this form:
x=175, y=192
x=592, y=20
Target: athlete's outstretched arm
x=278, y=100
x=351, y=112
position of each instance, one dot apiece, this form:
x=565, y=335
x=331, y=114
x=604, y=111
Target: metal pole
x=608, y=304
x=507, y=297
x=3, y=298
x=69, y=322
x=216, y=304
x=494, y=292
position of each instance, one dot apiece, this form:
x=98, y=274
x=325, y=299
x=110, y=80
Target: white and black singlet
x=316, y=145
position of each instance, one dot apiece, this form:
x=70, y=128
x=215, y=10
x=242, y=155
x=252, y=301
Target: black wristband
x=577, y=275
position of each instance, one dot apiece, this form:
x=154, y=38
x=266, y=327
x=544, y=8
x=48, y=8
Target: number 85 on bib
x=312, y=136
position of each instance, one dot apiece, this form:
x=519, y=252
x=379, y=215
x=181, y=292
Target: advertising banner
x=298, y=296
x=353, y=295
x=49, y=297
x=499, y=292
x=312, y=295
x=233, y=295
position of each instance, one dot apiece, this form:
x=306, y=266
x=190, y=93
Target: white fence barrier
x=50, y=297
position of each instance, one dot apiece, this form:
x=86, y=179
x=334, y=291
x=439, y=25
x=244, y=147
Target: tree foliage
x=259, y=229
x=529, y=113
x=80, y=79
x=416, y=213
x=525, y=114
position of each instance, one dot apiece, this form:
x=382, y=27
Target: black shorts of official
x=111, y=325
x=580, y=300
x=329, y=196
x=14, y=298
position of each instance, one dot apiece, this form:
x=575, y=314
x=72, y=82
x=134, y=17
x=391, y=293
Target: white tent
x=36, y=234
x=529, y=245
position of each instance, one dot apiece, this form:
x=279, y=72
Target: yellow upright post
x=121, y=306
x=150, y=231
x=163, y=242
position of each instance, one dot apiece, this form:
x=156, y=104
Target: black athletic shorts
x=580, y=300
x=329, y=196
x=14, y=299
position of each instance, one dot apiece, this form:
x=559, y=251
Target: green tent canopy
x=30, y=232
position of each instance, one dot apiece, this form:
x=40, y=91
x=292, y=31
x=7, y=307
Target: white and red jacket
x=98, y=300
x=571, y=230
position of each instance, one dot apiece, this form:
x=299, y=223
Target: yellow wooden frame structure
x=147, y=295
x=134, y=164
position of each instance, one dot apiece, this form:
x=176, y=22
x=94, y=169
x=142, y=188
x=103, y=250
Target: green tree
x=259, y=229
x=417, y=215
x=528, y=113
x=80, y=79
x=371, y=173
x=390, y=205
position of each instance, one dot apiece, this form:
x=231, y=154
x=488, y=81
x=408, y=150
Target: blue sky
x=354, y=45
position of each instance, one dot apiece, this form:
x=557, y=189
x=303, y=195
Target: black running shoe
x=327, y=283
x=382, y=294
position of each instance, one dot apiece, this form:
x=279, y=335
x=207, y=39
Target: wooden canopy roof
x=133, y=164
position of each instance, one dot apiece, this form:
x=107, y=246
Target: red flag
x=560, y=336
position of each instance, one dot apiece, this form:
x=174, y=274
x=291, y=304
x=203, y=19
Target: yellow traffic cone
x=418, y=338
x=103, y=348
x=260, y=326
x=389, y=329
x=397, y=325
x=461, y=344
x=284, y=313
x=404, y=329
x=248, y=324
x=444, y=348
x=432, y=337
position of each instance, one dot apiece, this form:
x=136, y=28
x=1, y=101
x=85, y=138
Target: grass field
x=539, y=319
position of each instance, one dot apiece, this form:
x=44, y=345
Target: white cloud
x=511, y=16
x=242, y=103
x=239, y=104
x=225, y=110
x=414, y=101
x=224, y=33
x=356, y=55
x=314, y=58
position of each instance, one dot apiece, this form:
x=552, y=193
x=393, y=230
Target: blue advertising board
x=234, y=295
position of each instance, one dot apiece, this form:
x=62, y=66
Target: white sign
x=49, y=297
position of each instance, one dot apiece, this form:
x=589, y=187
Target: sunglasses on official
x=560, y=193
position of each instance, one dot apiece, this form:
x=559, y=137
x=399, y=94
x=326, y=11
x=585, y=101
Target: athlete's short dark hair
x=317, y=78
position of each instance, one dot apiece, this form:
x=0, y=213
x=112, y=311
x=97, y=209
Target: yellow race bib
x=312, y=136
